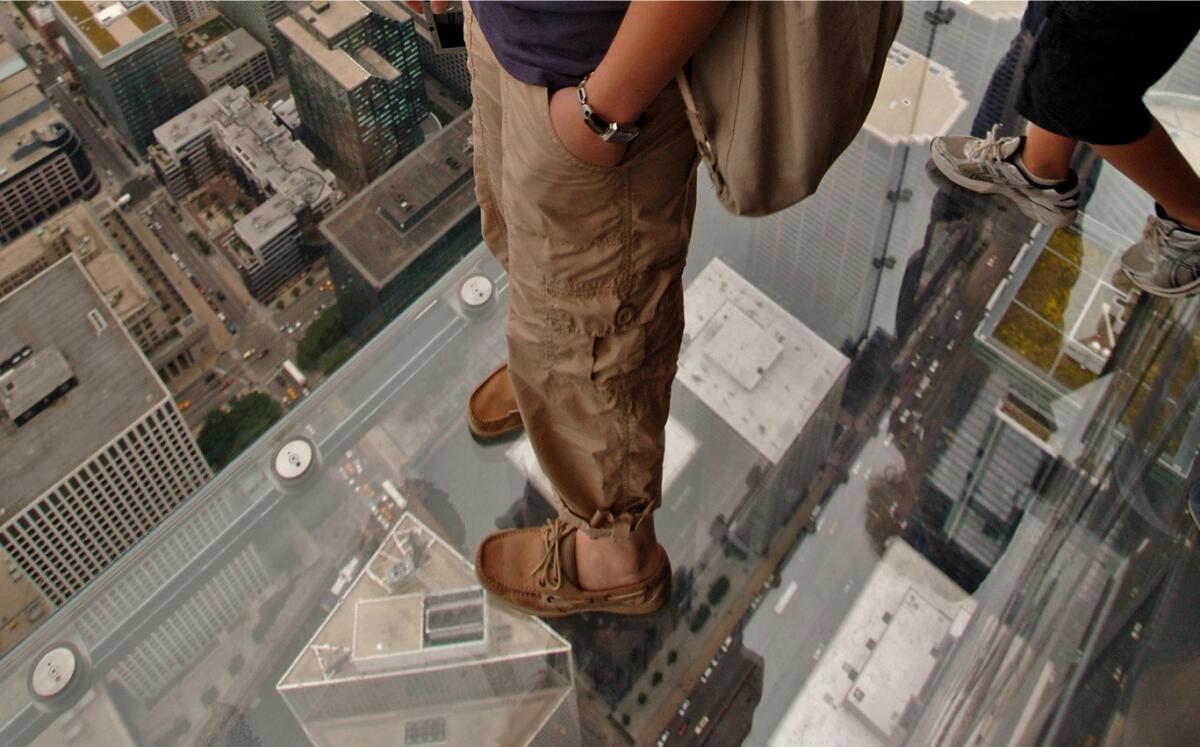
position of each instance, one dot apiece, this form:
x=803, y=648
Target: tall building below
x=448, y=67
x=412, y=645
x=357, y=79
x=130, y=64
x=870, y=679
x=258, y=18
x=229, y=128
x=93, y=451
x=236, y=59
x=409, y=225
x=182, y=12
x=42, y=164
x=743, y=354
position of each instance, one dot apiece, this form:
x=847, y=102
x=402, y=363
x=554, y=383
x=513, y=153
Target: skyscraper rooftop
x=341, y=66
x=387, y=225
x=743, y=354
x=108, y=25
x=62, y=310
x=918, y=99
x=412, y=620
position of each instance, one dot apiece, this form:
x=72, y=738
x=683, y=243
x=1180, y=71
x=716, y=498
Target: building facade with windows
x=130, y=64
x=94, y=452
x=182, y=12
x=359, y=88
x=42, y=164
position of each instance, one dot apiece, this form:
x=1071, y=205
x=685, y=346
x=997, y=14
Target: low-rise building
x=236, y=59
x=267, y=245
x=229, y=130
x=42, y=164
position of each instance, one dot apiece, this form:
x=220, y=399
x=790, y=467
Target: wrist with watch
x=609, y=132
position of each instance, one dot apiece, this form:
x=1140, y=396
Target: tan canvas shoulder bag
x=778, y=91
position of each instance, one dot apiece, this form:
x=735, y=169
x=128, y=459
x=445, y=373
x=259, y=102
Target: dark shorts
x=1092, y=62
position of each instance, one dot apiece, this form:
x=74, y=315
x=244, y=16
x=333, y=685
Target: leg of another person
x=1156, y=165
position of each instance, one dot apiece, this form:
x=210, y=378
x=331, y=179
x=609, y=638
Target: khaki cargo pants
x=595, y=259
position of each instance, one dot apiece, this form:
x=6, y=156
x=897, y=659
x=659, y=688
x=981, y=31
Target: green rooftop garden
x=144, y=18
x=100, y=37
x=1033, y=326
x=1029, y=337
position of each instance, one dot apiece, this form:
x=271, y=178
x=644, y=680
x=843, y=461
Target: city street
x=258, y=327
x=817, y=586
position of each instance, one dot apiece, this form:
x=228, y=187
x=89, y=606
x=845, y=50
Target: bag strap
x=703, y=140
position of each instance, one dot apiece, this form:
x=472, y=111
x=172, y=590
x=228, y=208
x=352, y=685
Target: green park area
x=227, y=432
x=326, y=343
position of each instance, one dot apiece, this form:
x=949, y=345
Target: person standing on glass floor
x=585, y=171
x=588, y=135
x=1090, y=65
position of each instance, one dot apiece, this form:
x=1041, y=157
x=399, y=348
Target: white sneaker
x=983, y=166
x=1166, y=261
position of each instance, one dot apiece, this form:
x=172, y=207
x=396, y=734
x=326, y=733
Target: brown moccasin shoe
x=492, y=409
x=534, y=570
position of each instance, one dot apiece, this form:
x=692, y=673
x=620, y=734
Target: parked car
x=184, y=405
x=220, y=295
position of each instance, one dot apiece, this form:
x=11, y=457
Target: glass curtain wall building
x=926, y=479
x=357, y=79
x=131, y=64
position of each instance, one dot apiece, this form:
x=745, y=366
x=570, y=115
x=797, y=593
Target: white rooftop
x=379, y=628
x=904, y=622
x=918, y=99
x=265, y=222
x=744, y=355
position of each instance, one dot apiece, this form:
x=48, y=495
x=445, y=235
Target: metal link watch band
x=609, y=132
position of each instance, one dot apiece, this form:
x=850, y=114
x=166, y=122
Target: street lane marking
x=787, y=597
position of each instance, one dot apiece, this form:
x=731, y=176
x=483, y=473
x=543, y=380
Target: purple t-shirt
x=551, y=44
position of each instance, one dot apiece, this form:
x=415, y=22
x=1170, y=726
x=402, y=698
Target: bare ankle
x=606, y=562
